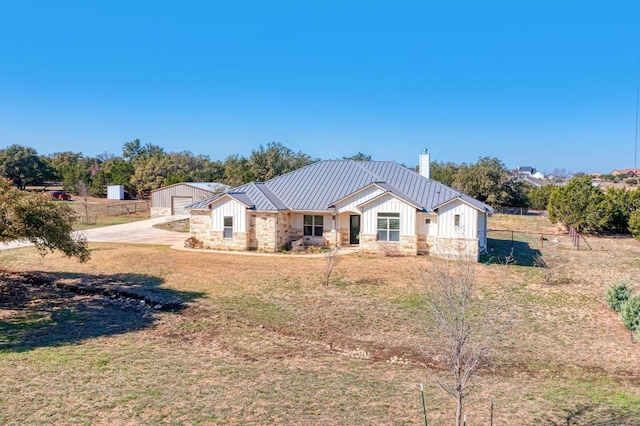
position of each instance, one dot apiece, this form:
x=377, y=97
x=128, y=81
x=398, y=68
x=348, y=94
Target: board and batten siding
x=350, y=204
x=468, y=221
x=162, y=197
x=229, y=207
x=388, y=204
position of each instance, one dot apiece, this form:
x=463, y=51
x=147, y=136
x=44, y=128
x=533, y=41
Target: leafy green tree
x=617, y=295
x=630, y=313
x=634, y=224
x=151, y=173
x=444, y=173
x=73, y=167
x=275, y=160
x=35, y=218
x=358, y=157
x=539, y=197
x=576, y=204
x=237, y=171
x=485, y=180
x=517, y=193
x=22, y=166
x=134, y=150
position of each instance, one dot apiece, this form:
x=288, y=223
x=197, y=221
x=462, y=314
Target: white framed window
x=228, y=227
x=313, y=225
x=388, y=226
x=456, y=220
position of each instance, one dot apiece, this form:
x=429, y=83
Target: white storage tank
x=115, y=192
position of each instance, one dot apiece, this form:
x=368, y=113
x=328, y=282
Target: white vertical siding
x=230, y=207
x=351, y=203
x=468, y=221
x=388, y=204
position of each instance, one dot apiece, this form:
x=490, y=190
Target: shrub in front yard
x=634, y=224
x=194, y=243
x=630, y=313
x=617, y=295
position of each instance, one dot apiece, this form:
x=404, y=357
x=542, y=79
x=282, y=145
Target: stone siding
x=218, y=242
x=160, y=211
x=283, y=220
x=200, y=224
x=453, y=248
x=406, y=246
x=270, y=231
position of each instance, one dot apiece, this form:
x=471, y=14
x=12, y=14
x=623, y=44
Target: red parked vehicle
x=60, y=195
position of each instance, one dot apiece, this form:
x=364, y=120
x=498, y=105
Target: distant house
x=628, y=173
x=527, y=171
x=173, y=199
x=371, y=205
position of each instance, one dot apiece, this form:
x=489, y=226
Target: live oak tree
x=22, y=166
x=34, y=217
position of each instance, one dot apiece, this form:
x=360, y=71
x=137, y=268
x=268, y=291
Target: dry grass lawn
x=261, y=340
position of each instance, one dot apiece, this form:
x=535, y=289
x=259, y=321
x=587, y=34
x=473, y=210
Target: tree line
x=144, y=167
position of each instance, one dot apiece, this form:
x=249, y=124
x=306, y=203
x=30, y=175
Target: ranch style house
x=376, y=206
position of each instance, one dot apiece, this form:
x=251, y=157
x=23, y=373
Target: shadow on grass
x=506, y=250
x=593, y=415
x=40, y=309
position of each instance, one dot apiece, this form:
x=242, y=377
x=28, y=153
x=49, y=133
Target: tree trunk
x=459, y=410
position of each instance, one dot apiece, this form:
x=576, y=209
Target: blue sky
x=546, y=84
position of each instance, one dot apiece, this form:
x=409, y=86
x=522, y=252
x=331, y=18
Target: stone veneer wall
x=264, y=236
x=425, y=242
x=450, y=248
x=345, y=236
x=160, y=211
x=406, y=246
x=200, y=227
x=284, y=229
x=200, y=224
x=239, y=241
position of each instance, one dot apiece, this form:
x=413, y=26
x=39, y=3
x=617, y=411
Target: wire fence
x=127, y=208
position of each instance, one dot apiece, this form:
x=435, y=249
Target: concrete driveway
x=141, y=232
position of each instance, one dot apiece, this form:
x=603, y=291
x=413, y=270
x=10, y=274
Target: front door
x=354, y=229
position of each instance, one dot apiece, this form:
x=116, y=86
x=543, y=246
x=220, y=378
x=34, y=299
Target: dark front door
x=354, y=229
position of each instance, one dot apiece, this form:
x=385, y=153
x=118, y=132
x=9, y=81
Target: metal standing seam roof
x=206, y=186
x=317, y=186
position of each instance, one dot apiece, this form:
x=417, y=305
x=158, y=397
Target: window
x=388, y=226
x=228, y=227
x=313, y=225
x=456, y=220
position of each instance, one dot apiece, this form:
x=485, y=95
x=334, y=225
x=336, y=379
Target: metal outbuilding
x=171, y=200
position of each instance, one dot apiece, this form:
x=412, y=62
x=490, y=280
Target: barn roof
x=212, y=187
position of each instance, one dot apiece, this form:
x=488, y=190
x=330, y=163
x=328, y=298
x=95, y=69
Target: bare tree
x=465, y=327
x=83, y=192
x=558, y=176
x=330, y=262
